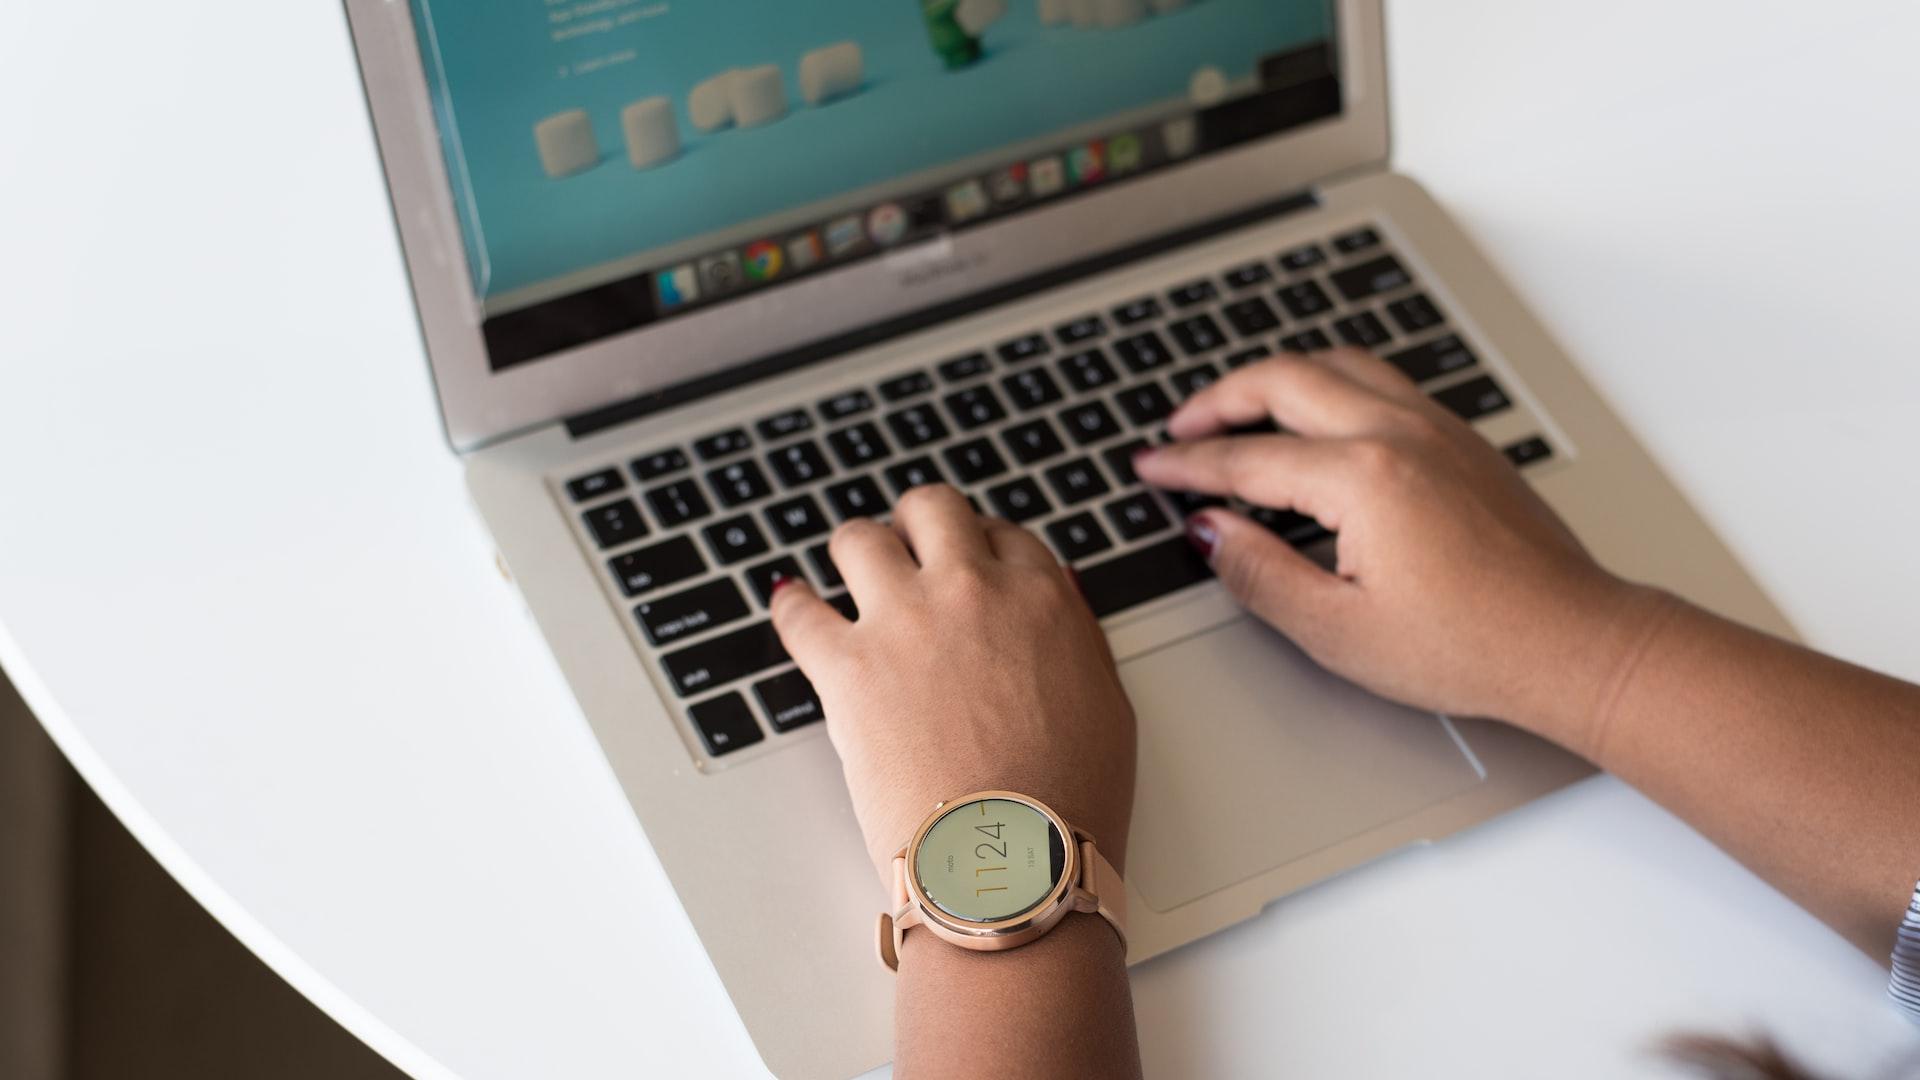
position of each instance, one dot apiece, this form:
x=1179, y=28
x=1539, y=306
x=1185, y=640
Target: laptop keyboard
x=1038, y=427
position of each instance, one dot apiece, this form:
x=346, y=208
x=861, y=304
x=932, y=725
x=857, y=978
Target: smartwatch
x=996, y=870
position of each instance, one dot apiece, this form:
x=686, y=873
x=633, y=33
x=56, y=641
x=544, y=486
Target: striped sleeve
x=1905, y=987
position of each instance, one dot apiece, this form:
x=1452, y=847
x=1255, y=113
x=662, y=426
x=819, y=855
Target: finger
x=1313, y=476
x=1373, y=373
x=940, y=526
x=1301, y=396
x=809, y=627
x=1269, y=578
x=871, y=558
x=1015, y=545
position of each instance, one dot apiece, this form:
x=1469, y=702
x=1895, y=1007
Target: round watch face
x=989, y=859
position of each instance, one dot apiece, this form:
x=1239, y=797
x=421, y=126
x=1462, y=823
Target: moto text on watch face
x=988, y=860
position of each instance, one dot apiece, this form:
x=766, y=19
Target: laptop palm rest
x=1252, y=755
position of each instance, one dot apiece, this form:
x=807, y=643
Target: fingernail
x=1203, y=536
x=1143, y=454
x=780, y=581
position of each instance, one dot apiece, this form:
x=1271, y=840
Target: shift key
x=701, y=667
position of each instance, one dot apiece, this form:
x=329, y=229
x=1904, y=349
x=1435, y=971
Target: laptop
x=701, y=280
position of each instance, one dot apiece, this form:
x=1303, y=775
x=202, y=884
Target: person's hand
x=1456, y=588
x=974, y=665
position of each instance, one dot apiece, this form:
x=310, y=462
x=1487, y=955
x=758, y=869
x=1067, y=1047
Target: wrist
x=1103, y=815
x=1584, y=667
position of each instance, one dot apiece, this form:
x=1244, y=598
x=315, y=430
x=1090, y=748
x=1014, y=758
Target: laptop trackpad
x=1251, y=756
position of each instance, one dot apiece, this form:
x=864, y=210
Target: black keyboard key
x=1078, y=537
x=1305, y=299
x=1193, y=292
x=1294, y=528
x=1438, y=357
x=784, y=424
x=594, y=485
x=858, y=497
x=1136, y=516
x=840, y=406
x=1364, y=330
x=822, y=560
x=858, y=445
x=1474, y=398
x=659, y=565
x=1416, y=313
x=974, y=460
x=1031, y=389
x=1019, y=500
x=1528, y=451
x=725, y=724
x=723, y=659
x=1080, y=329
x=1198, y=334
x=795, y=519
x=902, y=387
x=1250, y=317
x=1371, y=278
x=1246, y=277
x=1022, y=349
x=678, y=503
x=1119, y=461
x=1143, y=352
x=1247, y=356
x=1088, y=370
x=722, y=443
x=789, y=701
x=691, y=612
x=763, y=575
x=1076, y=481
x=1144, y=403
x=844, y=605
x=1357, y=240
x=1306, y=341
x=1147, y=574
x=1032, y=441
x=912, y=473
x=658, y=464
x=615, y=523
x=1135, y=311
x=1304, y=257
x=976, y=406
x=800, y=464
x=1189, y=503
x=964, y=367
x=735, y=539
x=1190, y=381
x=1089, y=423
x=917, y=425
x=740, y=482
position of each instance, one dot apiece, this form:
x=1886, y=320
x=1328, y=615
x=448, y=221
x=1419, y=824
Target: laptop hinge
x=607, y=416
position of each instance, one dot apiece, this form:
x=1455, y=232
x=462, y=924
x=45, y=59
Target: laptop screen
x=619, y=162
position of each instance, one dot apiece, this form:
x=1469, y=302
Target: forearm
x=1802, y=767
x=1059, y=1007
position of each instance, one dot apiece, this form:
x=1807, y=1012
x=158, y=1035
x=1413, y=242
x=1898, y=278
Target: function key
x=1031, y=389
x=1358, y=240
x=913, y=473
x=789, y=701
x=1306, y=341
x=1438, y=357
x=1528, y=451
x=1078, y=537
x=917, y=425
x=840, y=406
x=1144, y=403
x=1190, y=381
x=781, y=425
x=678, y=503
x=1134, y=311
x=1193, y=292
x=762, y=576
x=723, y=659
x=1304, y=257
x=725, y=724
x=692, y=611
x=1033, y=441
x=659, y=463
x=1416, y=313
x=855, y=498
x=1305, y=299
x=1364, y=330
x=1371, y=278
x=964, y=367
x=859, y=444
x=740, y=482
x=976, y=406
x=902, y=387
x=1022, y=349
x=1247, y=356
x=735, y=539
x=722, y=443
x=1019, y=500
x=653, y=567
x=796, y=519
x=1080, y=329
x=1198, y=334
x=1143, y=352
x=1136, y=516
x=1246, y=277
x=1090, y=423
x=615, y=523
x=799, y=464
x=1250, y=317
x=1474, y=398
x=1088, y=370
x=594, y=485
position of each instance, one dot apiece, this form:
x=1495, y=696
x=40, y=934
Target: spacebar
x=1147, y=574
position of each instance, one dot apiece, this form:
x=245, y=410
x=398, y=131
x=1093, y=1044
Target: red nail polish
x=1203, y=536
x=780, y=581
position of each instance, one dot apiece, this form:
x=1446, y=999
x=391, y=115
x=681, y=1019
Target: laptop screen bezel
x=480, y=405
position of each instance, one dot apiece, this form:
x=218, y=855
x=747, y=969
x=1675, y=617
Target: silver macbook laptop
x=700, y=279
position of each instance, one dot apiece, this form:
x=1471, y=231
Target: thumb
x=808, y=626
x=1287, y=590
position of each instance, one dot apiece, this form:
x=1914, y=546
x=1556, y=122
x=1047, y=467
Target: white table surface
x=241, y=585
